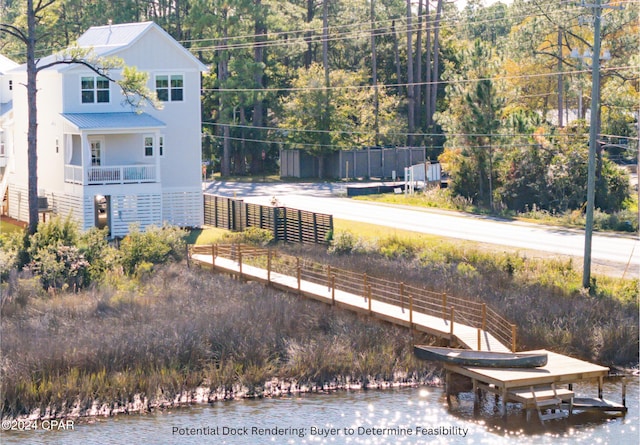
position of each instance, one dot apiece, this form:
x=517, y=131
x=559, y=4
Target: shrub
x=11, y=245
x=467, y=270
x=56, y=232
x=346, y=242
x=396, y=247
x=52, y=254
x=156, y=245
x=96, y=250
x=622, y=221
x=64, y=265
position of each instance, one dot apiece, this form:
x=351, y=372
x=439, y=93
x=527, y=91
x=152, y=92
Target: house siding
x=18, y=202
x=173, y=195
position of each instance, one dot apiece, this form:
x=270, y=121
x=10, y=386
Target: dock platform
x=540, y=388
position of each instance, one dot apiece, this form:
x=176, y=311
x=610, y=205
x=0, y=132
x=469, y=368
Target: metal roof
x=110, y=40
x=6, y=107
x=112, y=121
x=113, y=35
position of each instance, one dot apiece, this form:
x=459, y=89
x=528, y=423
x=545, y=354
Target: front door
x=102, y=211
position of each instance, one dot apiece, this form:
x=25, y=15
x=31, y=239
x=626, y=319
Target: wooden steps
x=546, y=400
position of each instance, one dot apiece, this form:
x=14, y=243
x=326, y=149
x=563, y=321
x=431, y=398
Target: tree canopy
x=481, y=86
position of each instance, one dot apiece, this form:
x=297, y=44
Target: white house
x=101, y=161
x=6, y=115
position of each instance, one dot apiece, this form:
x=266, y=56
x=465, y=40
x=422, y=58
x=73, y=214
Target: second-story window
x=148, y=145
x=95, y=89
x=161, y=145
x=170, y=88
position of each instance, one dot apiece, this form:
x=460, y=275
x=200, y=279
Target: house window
x=95, y=89
x=170, y=88
x=96, y=152
x=148, y=145
x=161, y=145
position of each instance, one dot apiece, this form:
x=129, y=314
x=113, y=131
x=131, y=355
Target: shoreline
x=205, y=395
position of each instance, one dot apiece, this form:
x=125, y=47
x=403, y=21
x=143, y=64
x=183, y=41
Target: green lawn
x=207, y=235
x=7, y=227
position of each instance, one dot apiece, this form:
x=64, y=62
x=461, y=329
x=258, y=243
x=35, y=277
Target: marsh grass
x=542, y=297
x=174, y=331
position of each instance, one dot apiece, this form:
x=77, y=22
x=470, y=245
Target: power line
x=371, y=133
x=396, y=85
x=351, y=147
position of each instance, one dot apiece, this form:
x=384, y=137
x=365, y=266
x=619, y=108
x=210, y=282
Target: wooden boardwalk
x=545, y=390
x=406, y=315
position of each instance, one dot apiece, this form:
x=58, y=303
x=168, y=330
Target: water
x=399, y=416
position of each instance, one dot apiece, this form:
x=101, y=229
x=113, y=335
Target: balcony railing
x=113, y=174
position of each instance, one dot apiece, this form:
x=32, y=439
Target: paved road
x=607, y=249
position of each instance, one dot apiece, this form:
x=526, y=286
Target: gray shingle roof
x=113, y=121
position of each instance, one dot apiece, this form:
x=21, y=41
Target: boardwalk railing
x=410, y=298
x=286, y=224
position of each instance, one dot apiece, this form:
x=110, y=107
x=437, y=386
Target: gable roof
x=112, y=121
x=6, y=64
x=110, y=39
x=113, y=36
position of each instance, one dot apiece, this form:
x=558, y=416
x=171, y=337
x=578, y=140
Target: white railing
x=116, y=174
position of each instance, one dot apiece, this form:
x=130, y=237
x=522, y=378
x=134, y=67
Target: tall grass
x=543, y=297
x=174, y=331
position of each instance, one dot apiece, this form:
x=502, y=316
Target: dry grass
x=180, y=329
x=542, y=297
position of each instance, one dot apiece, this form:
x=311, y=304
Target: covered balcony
x=116, y=174
x=112, y=148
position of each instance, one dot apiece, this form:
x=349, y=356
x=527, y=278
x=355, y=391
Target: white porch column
x=86, y=158
x=156, y=153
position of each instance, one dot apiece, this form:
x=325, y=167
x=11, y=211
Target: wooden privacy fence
x=411, y=298
x=286, y=224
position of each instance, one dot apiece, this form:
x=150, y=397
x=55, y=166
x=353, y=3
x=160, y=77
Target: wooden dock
x=468, y=324
x=396, y=303
x=542, y=388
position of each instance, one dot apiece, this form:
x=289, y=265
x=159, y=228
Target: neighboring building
x=99, y=160
x=368, y=162
x=6, y=115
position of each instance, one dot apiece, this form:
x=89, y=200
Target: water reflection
x=407, y=416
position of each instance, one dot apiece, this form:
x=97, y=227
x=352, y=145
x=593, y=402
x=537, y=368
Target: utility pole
x=593, y=143
x=597, y=8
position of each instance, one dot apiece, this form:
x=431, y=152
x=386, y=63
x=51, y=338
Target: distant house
x=100, y=161
x=6, y=116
